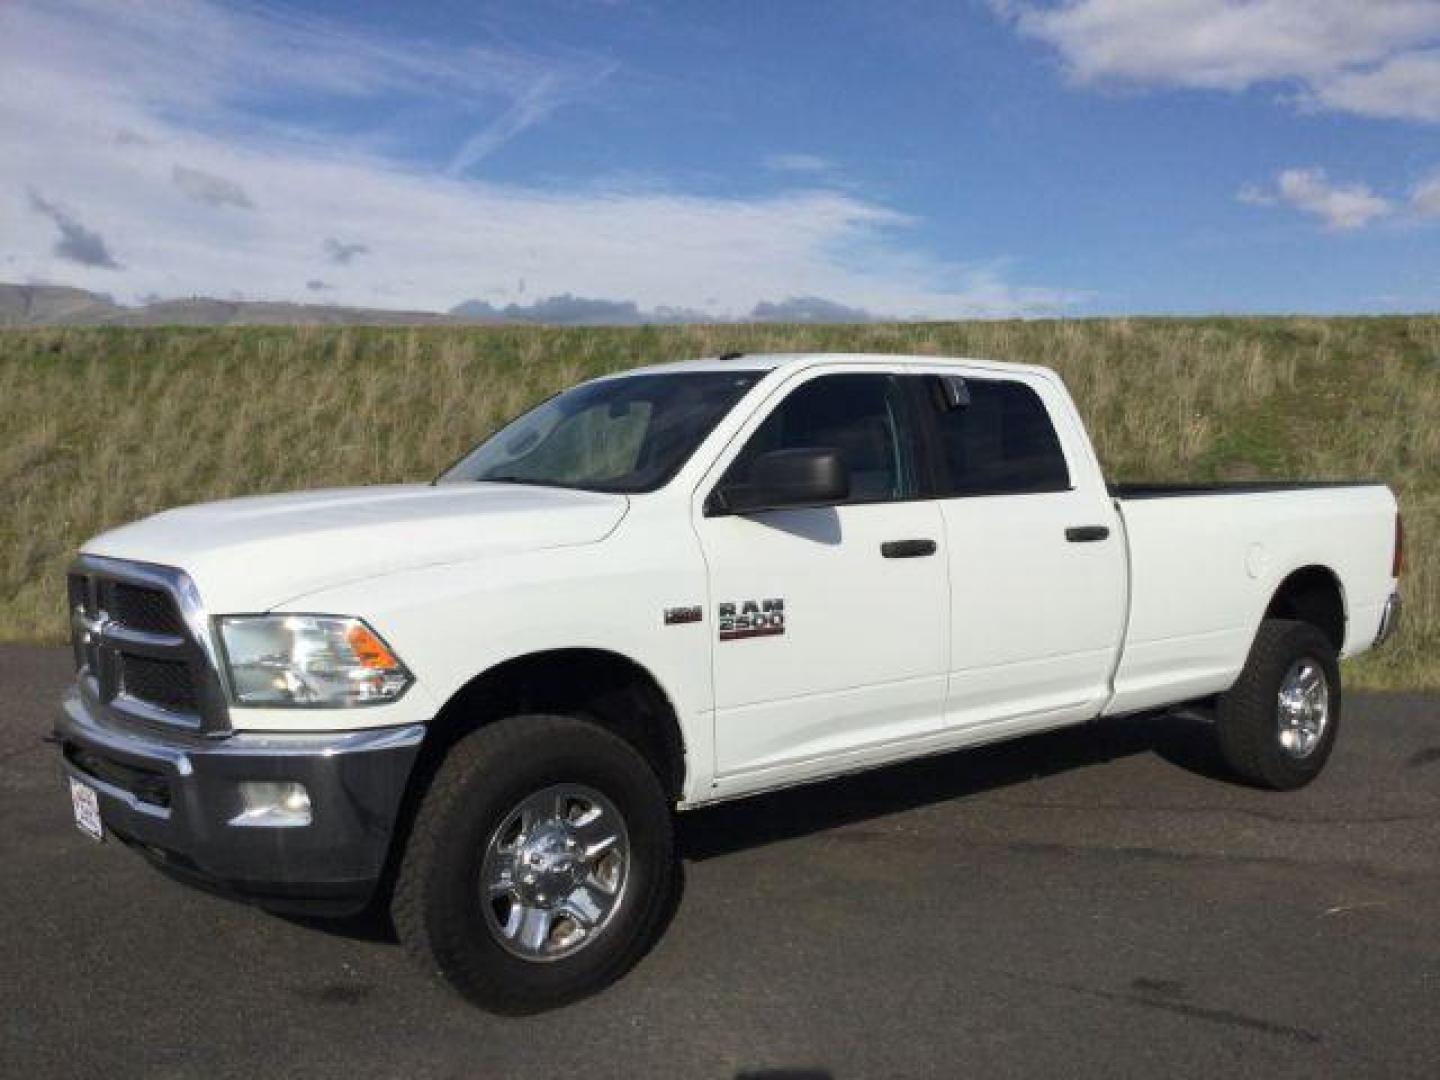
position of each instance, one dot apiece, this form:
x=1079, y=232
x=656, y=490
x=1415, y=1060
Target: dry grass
x=103, y=426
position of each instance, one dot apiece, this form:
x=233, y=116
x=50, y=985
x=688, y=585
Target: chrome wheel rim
x=1303, y=707
x=554, y=872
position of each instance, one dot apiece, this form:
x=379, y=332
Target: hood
x=252, y=554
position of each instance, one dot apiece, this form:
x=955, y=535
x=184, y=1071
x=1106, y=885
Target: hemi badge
x=676, y=616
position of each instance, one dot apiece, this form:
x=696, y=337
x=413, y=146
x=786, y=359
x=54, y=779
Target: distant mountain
x=54, y=305
x=568, y=310
x=60, y=305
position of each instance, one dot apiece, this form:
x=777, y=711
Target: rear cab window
x=998, y=440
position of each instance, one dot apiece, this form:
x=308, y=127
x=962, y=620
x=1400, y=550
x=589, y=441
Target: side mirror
x=786, y=479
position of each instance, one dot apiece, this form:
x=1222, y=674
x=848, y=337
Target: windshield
x=626, y=434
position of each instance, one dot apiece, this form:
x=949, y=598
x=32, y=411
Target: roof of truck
x=776, y=361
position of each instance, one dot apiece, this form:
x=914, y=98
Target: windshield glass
x=627, y=434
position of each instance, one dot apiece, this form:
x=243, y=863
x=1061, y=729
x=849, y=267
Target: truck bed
x=1203, y=569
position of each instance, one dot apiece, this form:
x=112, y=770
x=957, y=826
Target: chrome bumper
x=176, y=798
x=1389, y=619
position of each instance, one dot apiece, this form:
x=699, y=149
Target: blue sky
x=902, y=159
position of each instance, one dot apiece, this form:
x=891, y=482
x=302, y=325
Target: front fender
x=452, y=623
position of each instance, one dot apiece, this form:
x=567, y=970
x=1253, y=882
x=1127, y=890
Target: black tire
x=437, y=907
x=1247, y=719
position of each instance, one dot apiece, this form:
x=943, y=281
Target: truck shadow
x=1182, y=738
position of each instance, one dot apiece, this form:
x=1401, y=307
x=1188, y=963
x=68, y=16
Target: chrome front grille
x=141, y=645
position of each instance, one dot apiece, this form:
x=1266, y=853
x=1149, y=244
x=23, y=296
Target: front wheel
x=538, y=866
x=1278, y=724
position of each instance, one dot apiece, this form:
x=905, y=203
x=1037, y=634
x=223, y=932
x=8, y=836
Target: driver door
x=831, y=622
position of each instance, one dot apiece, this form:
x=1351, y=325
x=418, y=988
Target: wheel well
x=605, y=687
x=1312, y=595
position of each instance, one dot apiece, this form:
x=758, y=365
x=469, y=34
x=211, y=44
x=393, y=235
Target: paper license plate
x=87, y=810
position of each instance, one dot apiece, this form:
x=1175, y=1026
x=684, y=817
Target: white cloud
x=213, y=64
x=100, y=120
x=1404, y=88
x=530, y=106
x=1368, y=57
x=1425, y=197
x=1341, y=207
x=799, y=163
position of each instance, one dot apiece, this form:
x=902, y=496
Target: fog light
x=274, y=803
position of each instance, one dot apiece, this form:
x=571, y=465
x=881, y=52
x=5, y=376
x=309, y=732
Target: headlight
x=324, y=661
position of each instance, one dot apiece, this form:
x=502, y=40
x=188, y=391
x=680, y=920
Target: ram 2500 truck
x=480, y=700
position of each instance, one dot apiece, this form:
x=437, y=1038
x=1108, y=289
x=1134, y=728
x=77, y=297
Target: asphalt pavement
x=1092, y=902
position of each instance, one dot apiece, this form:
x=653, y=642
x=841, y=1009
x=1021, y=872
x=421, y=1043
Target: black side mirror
x=786, y=479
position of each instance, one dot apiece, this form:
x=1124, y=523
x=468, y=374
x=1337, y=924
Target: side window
x=1001, y=442
x=859, y=415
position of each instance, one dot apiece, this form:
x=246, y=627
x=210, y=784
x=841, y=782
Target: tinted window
x=1002, y=442
x=859, y=415
x=625, y=434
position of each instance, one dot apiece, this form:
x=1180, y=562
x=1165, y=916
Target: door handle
x=907, y=549
x=1086, y=534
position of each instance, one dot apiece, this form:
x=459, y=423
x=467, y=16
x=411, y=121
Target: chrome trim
x=324, y=743
x=240, y=821
x=78, y=716
x=1389, y=619
x=100, y=639
x=169, y=578
x=151, y=713
x=356, y=781
x=139, y=806
x=110, y=632
x=175, y=750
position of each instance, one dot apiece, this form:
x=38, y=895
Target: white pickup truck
x=480, y=700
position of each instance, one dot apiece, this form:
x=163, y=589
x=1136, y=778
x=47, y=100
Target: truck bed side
x=1206, y=561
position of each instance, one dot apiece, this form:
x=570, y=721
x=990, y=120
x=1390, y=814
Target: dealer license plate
x=87, y=810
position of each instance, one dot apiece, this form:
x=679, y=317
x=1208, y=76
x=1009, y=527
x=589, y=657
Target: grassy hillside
x=105, y=425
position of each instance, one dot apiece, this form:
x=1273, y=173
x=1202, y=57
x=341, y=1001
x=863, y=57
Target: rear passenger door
x=1037, y=561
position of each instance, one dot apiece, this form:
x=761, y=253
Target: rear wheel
x=538, y=866
x=1278, y=724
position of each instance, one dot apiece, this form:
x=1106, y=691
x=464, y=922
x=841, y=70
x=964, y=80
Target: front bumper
x=175, y=797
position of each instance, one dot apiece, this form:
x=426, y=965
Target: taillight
x=1397, y=566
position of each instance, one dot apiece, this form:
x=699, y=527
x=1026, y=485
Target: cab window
x=999, y=442
x=860, y=415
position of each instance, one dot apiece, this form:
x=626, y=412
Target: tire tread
x=1245, y=717
x=439, y=944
